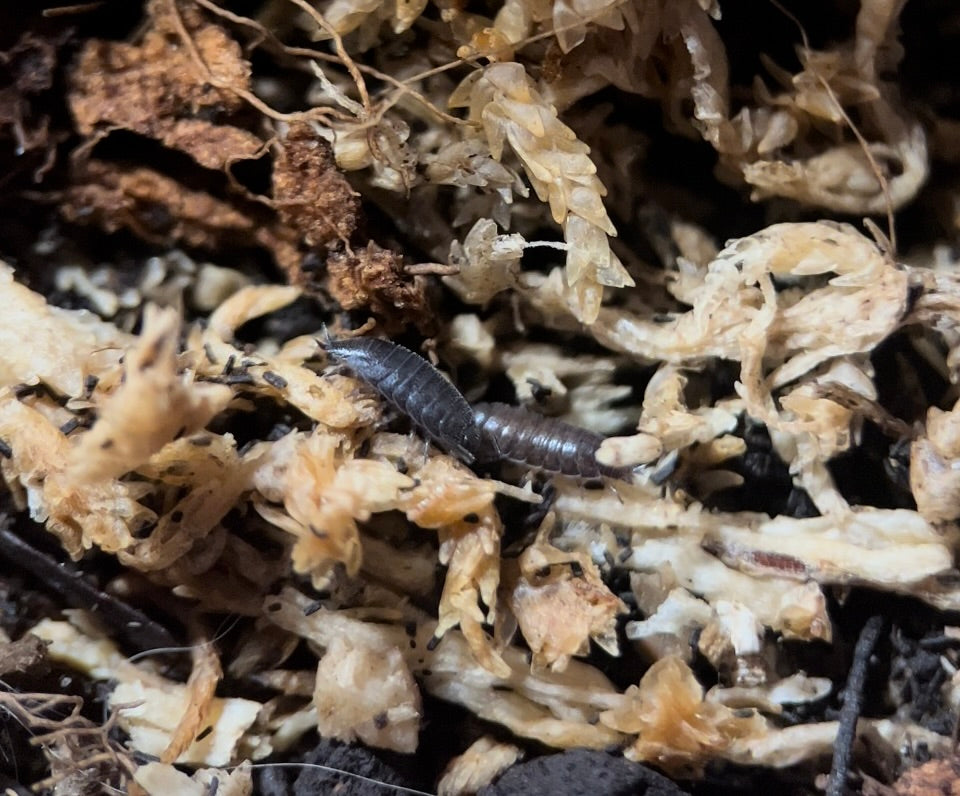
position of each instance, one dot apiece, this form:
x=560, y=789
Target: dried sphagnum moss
x=797, y=310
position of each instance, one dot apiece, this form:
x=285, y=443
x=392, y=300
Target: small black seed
x=274, y=380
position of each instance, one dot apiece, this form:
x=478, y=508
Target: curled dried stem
x=890, y=245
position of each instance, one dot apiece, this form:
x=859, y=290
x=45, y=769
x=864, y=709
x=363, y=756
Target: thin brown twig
x=22, y=708
x=874, y=411
x=319, y=55
x=348, y=62
x=400, y=85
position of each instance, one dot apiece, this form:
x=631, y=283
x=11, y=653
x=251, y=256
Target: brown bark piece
x=374, y=278
x=310, y=193
x=161, y=210
x=164, y=89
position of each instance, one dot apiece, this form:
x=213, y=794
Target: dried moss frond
x=558, y=166
x=675, y=727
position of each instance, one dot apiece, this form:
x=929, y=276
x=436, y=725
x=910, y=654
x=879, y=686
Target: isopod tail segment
x=515, y=434
x=414, y=387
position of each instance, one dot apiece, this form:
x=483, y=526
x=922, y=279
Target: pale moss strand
x=346, y=16
x=512, y=111
x=568, y=19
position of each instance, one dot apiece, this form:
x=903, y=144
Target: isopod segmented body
x=416, y=388
x=523, y=437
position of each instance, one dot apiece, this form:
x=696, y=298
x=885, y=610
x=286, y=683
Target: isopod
x=523, y=437
x=416, y=388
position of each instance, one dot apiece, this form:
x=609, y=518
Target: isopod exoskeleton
x=518, y=435
x=415, y=387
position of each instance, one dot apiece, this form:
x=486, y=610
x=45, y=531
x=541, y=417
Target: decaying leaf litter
x=192, y=195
